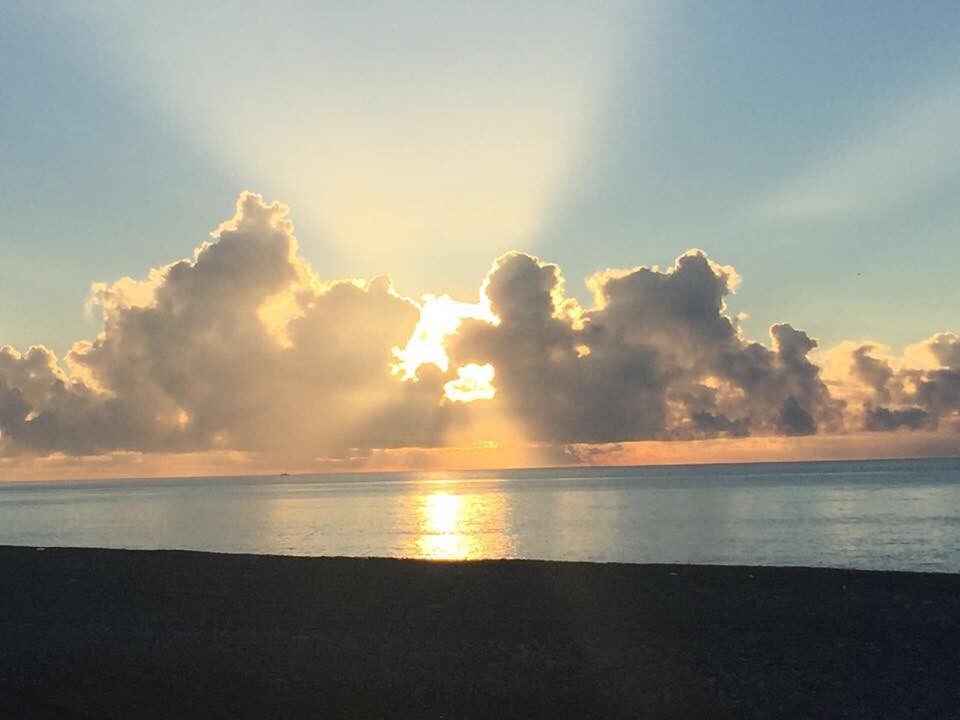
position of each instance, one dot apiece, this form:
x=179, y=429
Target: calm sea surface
x=881, y=514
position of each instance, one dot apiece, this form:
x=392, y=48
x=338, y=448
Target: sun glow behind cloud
x=440, y=317
x=474, y=382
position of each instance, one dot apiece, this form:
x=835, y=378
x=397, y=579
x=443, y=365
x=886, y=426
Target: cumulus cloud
x=918, y=391
x=656, y=358
x=242, y=348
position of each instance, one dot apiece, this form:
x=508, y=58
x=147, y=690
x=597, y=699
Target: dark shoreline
x=128, y=634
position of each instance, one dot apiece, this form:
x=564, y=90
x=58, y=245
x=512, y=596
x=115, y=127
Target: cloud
x=239, y=347
x=44, y=410
x=919, y=391
x=656, y=358
x=242, y=351
x=881, y=418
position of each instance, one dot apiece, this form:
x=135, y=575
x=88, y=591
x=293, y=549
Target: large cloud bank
x=243, y=347
x=240, y=347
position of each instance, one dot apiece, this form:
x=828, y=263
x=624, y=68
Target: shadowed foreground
x=123, y=634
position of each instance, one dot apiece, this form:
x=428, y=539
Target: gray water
x=902, y=515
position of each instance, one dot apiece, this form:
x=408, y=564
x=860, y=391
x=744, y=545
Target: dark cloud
x=908, y=397
x=881, y=418
x=658, y=357
x=873, y=372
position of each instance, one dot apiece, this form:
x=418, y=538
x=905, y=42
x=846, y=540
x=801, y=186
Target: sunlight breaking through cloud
x=440, y=317
x=474, y=382
x=242, y=348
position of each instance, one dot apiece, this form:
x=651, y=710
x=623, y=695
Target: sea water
x=900, y=514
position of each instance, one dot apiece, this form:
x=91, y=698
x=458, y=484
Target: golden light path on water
x=455, y=524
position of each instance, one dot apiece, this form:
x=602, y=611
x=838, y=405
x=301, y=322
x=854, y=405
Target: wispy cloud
x=901, y=152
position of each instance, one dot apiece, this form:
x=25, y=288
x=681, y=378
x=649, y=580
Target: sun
x=474, y=382
x=440, y=317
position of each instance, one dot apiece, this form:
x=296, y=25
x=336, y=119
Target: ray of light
x=420, y=158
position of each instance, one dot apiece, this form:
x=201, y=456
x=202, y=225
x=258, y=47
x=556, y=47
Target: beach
x=167, y=634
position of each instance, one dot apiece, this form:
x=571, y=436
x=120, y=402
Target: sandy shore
x=120, y=634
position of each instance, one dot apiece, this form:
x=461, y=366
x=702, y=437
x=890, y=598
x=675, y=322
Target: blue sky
x=811, y=145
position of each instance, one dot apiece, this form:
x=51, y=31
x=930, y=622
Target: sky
x=462, y=149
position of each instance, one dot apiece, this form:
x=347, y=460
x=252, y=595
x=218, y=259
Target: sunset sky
x=333, y=235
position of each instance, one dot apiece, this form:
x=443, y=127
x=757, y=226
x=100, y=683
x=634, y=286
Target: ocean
x=891, y=515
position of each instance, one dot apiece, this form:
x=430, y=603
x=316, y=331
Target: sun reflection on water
x=462, y=526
